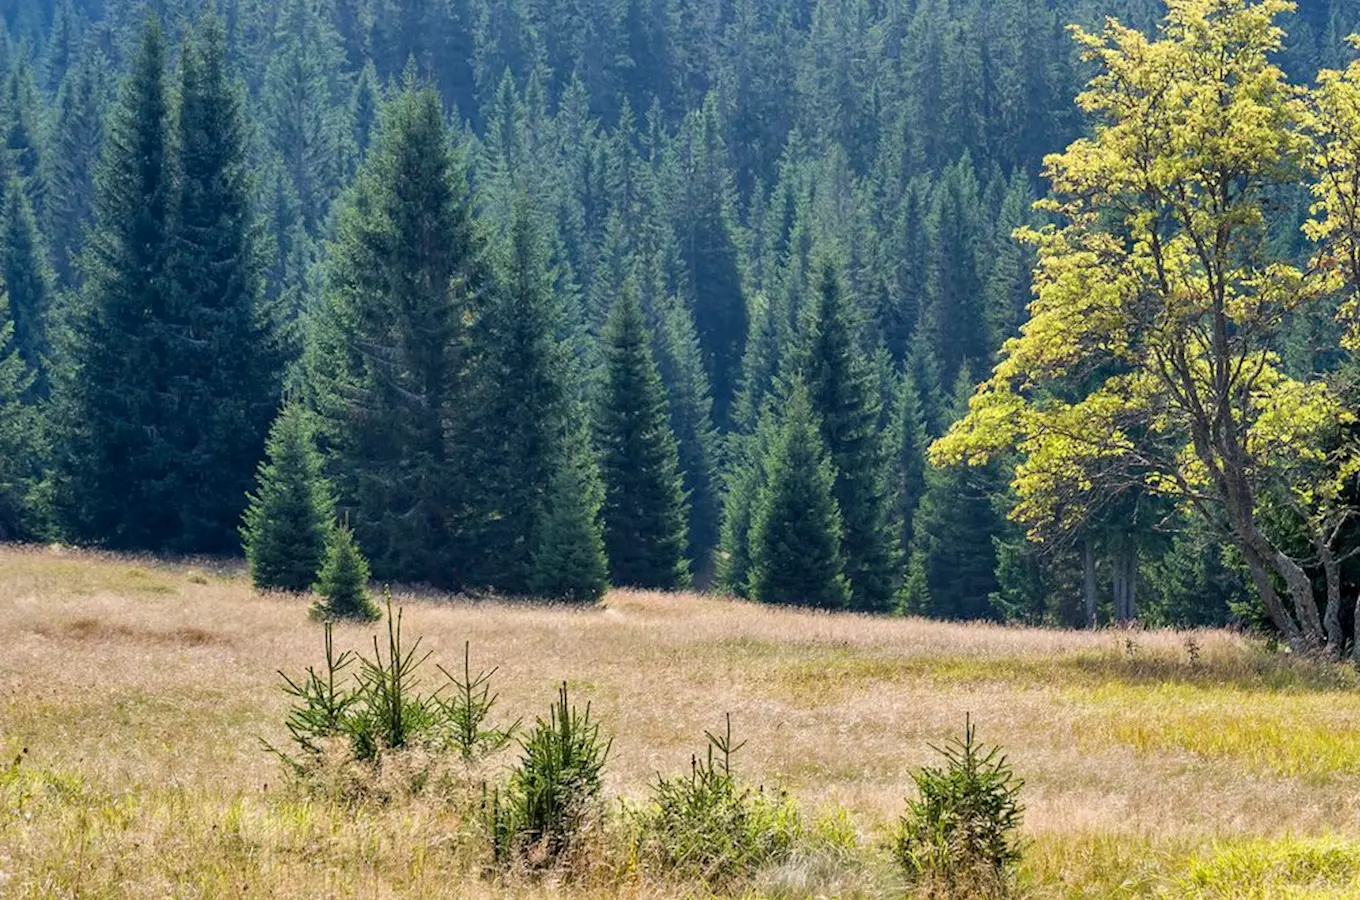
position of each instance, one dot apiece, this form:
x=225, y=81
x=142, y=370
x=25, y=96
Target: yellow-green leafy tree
x=1148, y=362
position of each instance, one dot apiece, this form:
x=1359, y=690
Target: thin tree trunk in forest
x=1131, y=584
x=1088, y=586
x=1119, y=563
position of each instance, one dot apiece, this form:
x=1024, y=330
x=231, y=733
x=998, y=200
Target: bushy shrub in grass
x=356, y=714
x=553, y=795
x=707, y=827
x=959, y=837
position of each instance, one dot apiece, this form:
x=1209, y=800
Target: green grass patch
x=1320, y=868
x=1313, y=736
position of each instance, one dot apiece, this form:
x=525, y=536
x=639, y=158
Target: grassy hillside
x=133, y=697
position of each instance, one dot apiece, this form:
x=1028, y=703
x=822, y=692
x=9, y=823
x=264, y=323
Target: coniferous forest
x=539, y=296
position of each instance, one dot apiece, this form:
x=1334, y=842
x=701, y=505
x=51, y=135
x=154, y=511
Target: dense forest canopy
x=560, y=291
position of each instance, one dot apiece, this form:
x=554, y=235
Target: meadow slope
x=134, y=695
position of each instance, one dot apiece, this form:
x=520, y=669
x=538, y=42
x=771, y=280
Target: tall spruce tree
x=25, y=129
x=113, y=480
x=702, y=212
x=305, y=113
x=645, y=507
x=28, y=282
x=77, y=135
x=292, y=510
x=795, y=524
x=845, y=395
x=569, y=559
x=908, y=433
x=224, y=358
x=387, y=352
x=523, y=404
x=19, y=426
x=952, y=571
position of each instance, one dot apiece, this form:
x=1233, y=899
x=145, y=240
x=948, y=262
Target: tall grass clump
x=357, y=714
x=959, y=837
x=708, y=827
x=553, y=796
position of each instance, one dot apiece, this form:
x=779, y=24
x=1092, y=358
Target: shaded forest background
x=702, y=268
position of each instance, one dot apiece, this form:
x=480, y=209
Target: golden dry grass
x=135, y=694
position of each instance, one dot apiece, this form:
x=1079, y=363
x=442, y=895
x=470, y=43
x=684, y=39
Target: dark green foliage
x=844, y=391
x=959, y=836
x=19, y=424
x=114, y=481
x=744, y=482
x=569, y=561
x=796, y=525
x=386, y=359
x=342, y=582
x=292, y=510
x=77, y=133
x=169, y=381
x=221, y=352
x=690, y=405
x=28, y=283
x=24, y=129
x=701, y=209
x=910, y=441
x=523, y=406
x=554, y=788
x=711, y=151
x=708, y=826
x=645, y=507
x=367, y=106
x=304, y=110
x=952, y=568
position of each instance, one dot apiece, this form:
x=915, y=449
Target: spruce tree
x=304, y=111
x=952, y=570
x=77, y=135
x=845, y=395
x=291, y=512
x=387, y=360
x=19, y=426
x=522, y=408
x=701, y=208
x=365, y=108
x=25, y=130
x=645, y=506
x=796, y=525
x=908, y=432
x=113, y=416
x=569, y=560
x=744, y=482
x=680, y=363
x=343, y=581
x=28, y=281
x=222, y=351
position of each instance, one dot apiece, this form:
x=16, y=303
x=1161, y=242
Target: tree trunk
x=1300, y=588
x=1132, y=586
x=1125, y=566
x=1331, y=618
x=1265, y=589
x=1088, y=583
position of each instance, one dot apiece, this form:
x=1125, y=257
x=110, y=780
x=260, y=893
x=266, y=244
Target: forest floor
x=134, y=696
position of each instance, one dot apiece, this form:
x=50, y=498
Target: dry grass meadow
x=133, y=697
